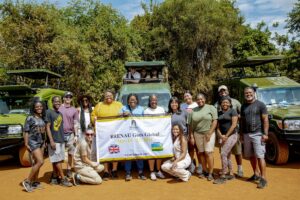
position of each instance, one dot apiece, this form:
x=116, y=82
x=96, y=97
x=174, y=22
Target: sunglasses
x=89, y=134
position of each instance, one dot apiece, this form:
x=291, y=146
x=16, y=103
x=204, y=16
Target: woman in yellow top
x=107, y=108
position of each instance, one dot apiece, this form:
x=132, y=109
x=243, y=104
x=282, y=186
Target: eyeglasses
x=89, y=134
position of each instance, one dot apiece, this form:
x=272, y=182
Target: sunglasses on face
x=89, y=134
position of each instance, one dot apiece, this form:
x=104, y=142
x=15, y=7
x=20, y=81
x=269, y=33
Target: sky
x=254, y=11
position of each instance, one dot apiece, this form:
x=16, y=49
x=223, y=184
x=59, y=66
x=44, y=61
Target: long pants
x=139, y=163
x=180, y=171
x=226, y=152
x=90, y=175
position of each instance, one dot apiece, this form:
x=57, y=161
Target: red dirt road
x=284, y=183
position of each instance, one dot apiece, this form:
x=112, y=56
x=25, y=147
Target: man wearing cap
x=71, y=126
x=237, y=149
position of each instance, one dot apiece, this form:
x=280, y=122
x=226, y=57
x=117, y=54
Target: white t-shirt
x=156, y=111
x=188, y=107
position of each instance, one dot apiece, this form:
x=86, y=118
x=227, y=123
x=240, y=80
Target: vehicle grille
x=3, y=130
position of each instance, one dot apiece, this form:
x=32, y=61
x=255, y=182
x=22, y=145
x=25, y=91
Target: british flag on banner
x=114, y=148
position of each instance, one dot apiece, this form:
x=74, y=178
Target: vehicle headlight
x=292, y=125
x=14, y=129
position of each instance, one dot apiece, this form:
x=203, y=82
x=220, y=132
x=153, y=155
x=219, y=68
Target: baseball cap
x=222, y=87
x=68, y=94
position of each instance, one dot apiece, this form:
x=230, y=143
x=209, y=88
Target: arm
x=86, y=160
x=266, y=127
x=94, y=114
x=26, y=141
x=52, y=143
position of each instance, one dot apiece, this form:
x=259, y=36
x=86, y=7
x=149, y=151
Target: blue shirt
x=139, y=110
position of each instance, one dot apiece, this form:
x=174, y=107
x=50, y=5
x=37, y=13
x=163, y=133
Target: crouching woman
x=86, y=170
x=177, y=165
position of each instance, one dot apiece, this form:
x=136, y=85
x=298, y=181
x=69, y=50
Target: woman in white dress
x=181, y=160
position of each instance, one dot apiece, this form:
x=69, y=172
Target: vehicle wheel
x=24, y=157
x=277, y=152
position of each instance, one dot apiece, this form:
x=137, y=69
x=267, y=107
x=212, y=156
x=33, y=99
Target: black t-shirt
x=34, y=125
x=251, y=117
x=57, y=129
x=225, y=120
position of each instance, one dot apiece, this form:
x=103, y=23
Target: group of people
x=196, y=126
x=133, y=76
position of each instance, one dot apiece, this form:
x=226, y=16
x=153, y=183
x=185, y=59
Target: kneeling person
x=86, y=170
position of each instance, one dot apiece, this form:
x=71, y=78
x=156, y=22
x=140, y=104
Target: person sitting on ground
x=86, y=170
x=181, y=160
x=133, y=76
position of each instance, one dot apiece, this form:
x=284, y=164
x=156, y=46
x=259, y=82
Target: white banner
x=134, y=138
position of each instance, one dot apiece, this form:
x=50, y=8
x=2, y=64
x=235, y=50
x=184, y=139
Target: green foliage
x=294, y=19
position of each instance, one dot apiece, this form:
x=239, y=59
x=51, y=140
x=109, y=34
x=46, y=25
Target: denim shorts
x=253, y=146
x=35, y=141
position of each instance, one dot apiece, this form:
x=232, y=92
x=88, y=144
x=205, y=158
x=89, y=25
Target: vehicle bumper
x=10, y=146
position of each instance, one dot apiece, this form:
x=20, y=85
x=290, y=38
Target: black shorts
x=35, y=141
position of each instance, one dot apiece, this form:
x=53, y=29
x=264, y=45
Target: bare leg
x=262, y=167
x=253, y=161
x=158, y=164
x=39, y=161
x=106, y=167
x=70, y=161
x=151, y=165
x=59, y=169
x=115, y=166
x=203, y=161
x=210, y=161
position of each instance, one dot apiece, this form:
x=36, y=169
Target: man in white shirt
x=133, y=76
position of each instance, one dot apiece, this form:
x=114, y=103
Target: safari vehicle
x=15, y=102
x=282, y=98
x=144, y=87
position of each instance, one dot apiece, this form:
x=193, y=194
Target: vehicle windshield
x=274, y=96
x=163, y=99
x=15, y=105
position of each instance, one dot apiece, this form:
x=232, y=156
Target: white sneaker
x=160, y=175
x=153, y=176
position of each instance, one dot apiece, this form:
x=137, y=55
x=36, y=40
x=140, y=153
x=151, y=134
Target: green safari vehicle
x=147, y=85
x=282, y=98
x=15, y=102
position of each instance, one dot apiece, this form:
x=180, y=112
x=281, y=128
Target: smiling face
x=174, y=106
x=200, y=100
x=89, y=134
x=188, y=98
x=132, y=102
x=225, y=104
x=249, y=95
x=56, y=103
x=153, y=102
x=108, y=97
x=38, y=108
x=175, y=131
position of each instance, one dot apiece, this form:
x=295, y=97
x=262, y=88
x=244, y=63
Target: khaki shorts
x=202, y=144
x=69, y=143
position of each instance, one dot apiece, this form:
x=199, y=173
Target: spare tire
x=25, y=157
x=277, y=152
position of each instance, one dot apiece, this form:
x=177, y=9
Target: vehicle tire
x=25, y=157
x=277, y=152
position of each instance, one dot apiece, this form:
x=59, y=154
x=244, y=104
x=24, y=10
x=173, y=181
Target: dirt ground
x=284, y=183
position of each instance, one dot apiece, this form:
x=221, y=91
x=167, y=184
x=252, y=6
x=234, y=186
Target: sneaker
x=114, y=174
x=65, y=182
x=76, y=180
x=220, y=181
x=210, y=177
x=54, y=180
x=69, y=173
x=106, y=176
x=152, y=176
x=36, y=185
x=160, y=175
x=262, y=183
x=142, y=176
x=189, y=176
x=203, y=175
x=199, y=169
x=229, y=177
x=192, y=168
x=128, y=177
x=254, y=178
x=240, y=174
x=27, y=186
